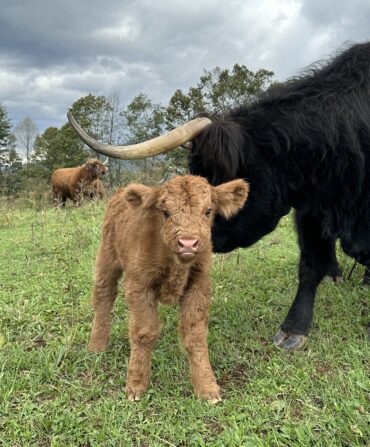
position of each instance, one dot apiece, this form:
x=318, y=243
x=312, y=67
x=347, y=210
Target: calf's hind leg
x=103, y=297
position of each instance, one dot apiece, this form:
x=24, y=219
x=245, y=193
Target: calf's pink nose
x=188, y=244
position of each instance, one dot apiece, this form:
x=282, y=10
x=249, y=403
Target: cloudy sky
x=52, y=52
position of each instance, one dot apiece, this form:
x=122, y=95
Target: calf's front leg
x=194, y=332
x=144, y=329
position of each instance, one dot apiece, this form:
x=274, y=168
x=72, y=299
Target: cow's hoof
x=280, y=338
x=294, y=341
x=289, y=342
x=330, y=279
x=366, y=280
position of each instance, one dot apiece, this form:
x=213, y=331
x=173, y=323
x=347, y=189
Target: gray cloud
x=52, y=53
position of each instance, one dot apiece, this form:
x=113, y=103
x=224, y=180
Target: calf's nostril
x=191, y=244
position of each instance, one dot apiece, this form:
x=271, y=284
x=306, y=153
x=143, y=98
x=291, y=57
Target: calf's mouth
x=187, y=256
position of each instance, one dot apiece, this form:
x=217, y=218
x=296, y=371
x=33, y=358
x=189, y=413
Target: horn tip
x=71, y=118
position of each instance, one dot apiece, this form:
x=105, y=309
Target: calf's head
x=184, y=209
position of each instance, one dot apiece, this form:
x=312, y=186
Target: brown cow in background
x=78, y=183
x=161, y=238
x=96, y=190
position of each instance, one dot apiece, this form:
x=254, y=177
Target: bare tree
x=113, y=134
x=26, y=132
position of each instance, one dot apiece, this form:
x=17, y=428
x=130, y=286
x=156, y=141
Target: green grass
x=53, y=393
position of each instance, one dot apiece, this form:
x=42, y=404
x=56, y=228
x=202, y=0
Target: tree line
x=104, y=119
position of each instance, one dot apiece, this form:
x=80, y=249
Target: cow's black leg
x=334, y=272
x=366, y=280
x=316, y=260
x=357, y=245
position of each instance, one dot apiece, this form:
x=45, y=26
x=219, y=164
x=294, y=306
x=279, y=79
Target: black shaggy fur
x=305, y=145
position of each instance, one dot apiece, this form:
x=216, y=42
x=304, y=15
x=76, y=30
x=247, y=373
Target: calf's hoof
x=132, y=396
x=210, y=393
x=214, y=399
x=134, y=392
x=289, y=341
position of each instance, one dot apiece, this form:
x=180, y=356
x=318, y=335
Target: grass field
x=53, y=393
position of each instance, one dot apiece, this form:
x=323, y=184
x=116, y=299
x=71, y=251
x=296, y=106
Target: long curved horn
x=155, y=146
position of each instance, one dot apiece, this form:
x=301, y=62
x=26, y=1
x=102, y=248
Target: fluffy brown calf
x=161, y=238
x=78, y=183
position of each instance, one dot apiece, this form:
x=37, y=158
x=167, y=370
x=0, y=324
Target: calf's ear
x=140, y=195
x=230, y=197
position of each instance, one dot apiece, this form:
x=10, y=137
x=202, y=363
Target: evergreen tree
x=7, y=140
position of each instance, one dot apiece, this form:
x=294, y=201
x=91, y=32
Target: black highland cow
x=304, y=145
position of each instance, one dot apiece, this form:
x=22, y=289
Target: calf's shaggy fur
x=161, y=238
x=78, y=183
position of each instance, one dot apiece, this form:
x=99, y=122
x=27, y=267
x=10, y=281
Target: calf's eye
x=208, y=212
x=166, y=214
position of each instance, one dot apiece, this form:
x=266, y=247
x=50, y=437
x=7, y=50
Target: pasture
x=53, y=393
